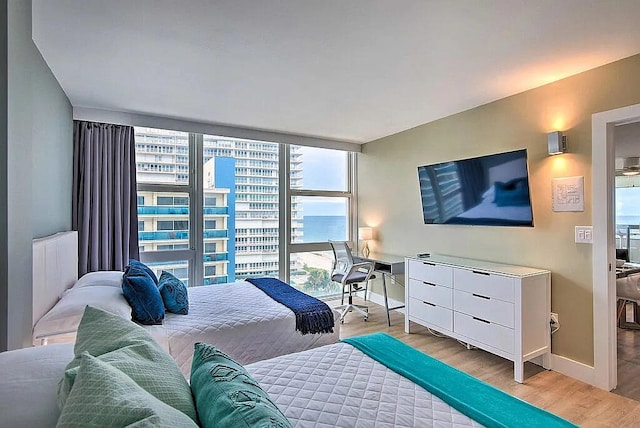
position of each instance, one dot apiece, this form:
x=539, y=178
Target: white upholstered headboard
x=55, y=269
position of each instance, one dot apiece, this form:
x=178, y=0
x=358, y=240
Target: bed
x=350, y=384
x=237, y=317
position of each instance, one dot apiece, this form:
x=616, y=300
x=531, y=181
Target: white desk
x=385, y=264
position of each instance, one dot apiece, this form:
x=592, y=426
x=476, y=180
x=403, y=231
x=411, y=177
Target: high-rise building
x=241, y=202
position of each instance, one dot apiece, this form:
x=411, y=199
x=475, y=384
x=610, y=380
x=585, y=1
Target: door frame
x=605, y=352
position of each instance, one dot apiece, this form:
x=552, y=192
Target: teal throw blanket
x=470, y=396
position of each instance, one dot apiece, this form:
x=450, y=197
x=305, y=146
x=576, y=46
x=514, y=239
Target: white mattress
x=241, y=320
x=339, y=386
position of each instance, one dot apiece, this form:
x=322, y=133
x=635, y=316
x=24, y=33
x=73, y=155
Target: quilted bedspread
x=339, y=386
x=239, y=319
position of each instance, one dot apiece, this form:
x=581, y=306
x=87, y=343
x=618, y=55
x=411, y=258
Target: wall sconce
x=365, y=234
x=556, y=143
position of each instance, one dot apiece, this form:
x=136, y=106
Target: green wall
x=37, y=178
x=389, y=196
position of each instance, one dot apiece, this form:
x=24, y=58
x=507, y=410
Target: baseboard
x=572, y=368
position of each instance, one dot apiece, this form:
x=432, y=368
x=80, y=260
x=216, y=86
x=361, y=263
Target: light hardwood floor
x=571, y=399
x=628, y=364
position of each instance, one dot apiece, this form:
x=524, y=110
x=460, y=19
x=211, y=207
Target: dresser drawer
x=495, y=335
x=430, y=292
x=486, y=284
x=487, y=308
x=431, y=272
x=431, y=314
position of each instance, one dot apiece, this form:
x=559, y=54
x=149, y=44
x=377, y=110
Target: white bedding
x=338, y=385
x=28, y=384
x=335, y=385
x=489, y=209
x=241, y=320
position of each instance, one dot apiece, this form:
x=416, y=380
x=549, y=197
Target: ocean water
x=323, y=228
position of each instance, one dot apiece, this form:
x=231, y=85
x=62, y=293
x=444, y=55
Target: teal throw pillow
x=104, y=396
x=142, y=294
x=147, y=269
x=130, y=349
x=174, y=294
x=227, y=396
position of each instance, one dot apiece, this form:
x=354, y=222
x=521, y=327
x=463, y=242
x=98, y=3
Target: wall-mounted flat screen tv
x=490, y=190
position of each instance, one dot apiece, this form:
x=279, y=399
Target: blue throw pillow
x=174, y=294
x=147, y=269
x=143, y=296
x=227, y=396
x=512, y=193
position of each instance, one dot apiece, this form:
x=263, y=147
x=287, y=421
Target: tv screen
x=490, y=190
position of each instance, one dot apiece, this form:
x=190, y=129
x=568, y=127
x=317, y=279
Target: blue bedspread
x=312, y=315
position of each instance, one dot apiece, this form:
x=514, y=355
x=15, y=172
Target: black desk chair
x=351, y=275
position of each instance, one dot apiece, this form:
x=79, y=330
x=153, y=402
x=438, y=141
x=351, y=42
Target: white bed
x=335, y=385
x=241, y=320
x=331, y=386
x=238, y=317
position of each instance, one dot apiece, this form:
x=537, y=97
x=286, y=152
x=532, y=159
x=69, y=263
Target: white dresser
x=503, y=309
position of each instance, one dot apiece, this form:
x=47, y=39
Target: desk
x=385, y=264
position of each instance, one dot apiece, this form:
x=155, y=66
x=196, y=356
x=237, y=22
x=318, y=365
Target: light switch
x=584, y=235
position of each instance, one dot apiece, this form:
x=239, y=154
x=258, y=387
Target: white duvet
x=241, y=320
x=331, y=386
x=339, y=386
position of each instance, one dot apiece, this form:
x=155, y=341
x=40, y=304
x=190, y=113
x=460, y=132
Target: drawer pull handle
x=481, y=273
x=480, y=319
x=428, y=283
x=428, y=264
x=427, y=303
x=481, y=296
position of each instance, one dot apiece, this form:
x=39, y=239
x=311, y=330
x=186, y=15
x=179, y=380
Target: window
x=321, y=203
x=627, y=217
x=235, y=232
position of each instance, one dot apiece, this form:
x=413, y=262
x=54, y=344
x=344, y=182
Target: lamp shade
x=365, y=233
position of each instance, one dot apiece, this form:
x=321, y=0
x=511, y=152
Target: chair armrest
x=368, y=266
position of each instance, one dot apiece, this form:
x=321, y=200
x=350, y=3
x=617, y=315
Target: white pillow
x=65, y=316
x=489, y=193
x=28, y=383
x=111, y=278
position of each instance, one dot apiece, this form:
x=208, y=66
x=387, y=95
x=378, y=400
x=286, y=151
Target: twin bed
x=237, y=317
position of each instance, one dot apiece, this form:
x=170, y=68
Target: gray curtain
x=104, y=201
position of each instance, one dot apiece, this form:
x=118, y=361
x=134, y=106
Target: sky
x=628, y=202
x=324, y=170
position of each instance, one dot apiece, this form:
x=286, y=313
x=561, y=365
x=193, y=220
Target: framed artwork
x=568, y=194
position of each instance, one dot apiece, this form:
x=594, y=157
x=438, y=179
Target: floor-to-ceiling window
x=210, y=208
x=321, y=207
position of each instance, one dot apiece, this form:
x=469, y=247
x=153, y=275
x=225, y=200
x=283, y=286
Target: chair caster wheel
x=366, y=319
x=341, y=321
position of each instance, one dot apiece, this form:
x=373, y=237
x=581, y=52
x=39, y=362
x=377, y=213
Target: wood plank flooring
x=571, y=399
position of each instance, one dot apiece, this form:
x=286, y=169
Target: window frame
x=195, y=191
x=352, y=202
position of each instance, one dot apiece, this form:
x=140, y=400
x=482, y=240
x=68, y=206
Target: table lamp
x=365, y=233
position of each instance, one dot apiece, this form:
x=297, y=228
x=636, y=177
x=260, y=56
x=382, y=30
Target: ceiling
x=351, y=70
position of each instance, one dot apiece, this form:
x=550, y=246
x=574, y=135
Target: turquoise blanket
x=476, y=399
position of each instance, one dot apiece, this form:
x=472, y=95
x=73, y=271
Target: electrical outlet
x=554, y=318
